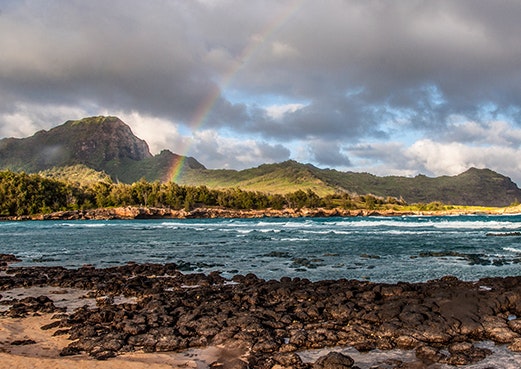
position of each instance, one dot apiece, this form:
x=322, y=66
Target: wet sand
x=44, y=353
x=25, y=345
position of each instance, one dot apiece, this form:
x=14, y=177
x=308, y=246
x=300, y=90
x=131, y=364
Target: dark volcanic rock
x=6, y=259
x=23, y=307
x=440, y=319
x=334, y=360
x=430, y=355
x=52, y=325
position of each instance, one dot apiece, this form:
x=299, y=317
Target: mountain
x=105, y=144
x=93, y=148
x=481, y=187
x=281, y=178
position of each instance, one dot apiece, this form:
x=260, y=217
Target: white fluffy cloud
x=159, y=133
x=216, y=151
x=277, y=112
x=440, y=158
x=445, y=157
x=24, y=119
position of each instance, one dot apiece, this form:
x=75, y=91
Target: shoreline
x=134, y=212
x=157, y=310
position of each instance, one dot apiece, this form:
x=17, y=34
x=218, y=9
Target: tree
x=174, y=195
x=141, y=190
x=121, y=195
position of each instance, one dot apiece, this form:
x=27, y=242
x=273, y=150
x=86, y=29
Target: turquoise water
x=381, y=249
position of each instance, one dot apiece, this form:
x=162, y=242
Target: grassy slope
x=284, y=179
x=270, y=178
x=79, y=174
x=475, y=186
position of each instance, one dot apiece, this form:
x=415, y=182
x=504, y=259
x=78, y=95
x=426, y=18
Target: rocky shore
x=133, y=212
x=270, y=322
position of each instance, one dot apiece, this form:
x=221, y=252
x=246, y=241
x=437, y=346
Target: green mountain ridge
x=279, y=178
x=480, y=187
x=103, y=148
x=105, y=144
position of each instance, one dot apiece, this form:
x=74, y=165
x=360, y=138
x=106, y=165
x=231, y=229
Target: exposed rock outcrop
x=105, y=144
x=440, y=319
x=133, y=212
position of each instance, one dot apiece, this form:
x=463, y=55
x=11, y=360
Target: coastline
x=134, y=212
x=153, y=312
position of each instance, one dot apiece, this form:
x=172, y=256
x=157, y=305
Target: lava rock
x=174, y=311
x=334, y=360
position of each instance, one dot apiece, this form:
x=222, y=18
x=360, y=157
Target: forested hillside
x=480, y=187
x=27, y=194
x=104, y=149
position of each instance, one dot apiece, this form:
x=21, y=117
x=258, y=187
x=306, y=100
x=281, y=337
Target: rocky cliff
x=105, y=144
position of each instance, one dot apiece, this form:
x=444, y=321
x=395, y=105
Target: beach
x=44, y=352
x=25, y=345
x=126, y=316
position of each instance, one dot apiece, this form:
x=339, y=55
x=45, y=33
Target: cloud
x=24, y=119
x=453, y=158
x=328, y=153
x=216, y=151
x=499, y=133
x=422, y=75
x=433, y=158
x=122, y=55
x=278, y=112
x=159, y=133
x=281, y=50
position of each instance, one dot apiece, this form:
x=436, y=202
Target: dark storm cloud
x=359, y=71
x=221, y=152
x=327, y=153
x=120, y=55
x=157, y=57
x=323, y=118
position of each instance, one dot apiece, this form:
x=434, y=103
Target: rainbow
x=204, y=109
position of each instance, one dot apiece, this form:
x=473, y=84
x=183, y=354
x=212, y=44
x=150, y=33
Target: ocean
x=379, y=249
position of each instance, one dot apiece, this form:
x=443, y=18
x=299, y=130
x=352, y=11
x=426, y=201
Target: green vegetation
x=104, y=149
x=24, y=194
x=78, y=174
x=29, y=194
x=104, y=144
x=282, y=178
x=478, y=187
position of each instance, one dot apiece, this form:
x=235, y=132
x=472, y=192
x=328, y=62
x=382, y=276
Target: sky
x=400, y=87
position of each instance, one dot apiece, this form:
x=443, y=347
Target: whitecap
x=84, y=225
x=318, y=232
x=512, y=249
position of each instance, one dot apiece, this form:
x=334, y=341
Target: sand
x=44, y=353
